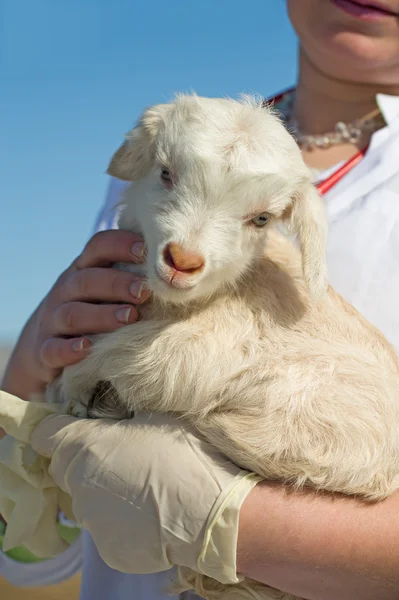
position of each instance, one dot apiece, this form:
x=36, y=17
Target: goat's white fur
x=276, y=370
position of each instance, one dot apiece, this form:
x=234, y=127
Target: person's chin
x=351, y=55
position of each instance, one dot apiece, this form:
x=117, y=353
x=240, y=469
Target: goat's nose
x=182, y=260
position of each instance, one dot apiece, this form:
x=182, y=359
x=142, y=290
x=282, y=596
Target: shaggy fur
x=267, y=362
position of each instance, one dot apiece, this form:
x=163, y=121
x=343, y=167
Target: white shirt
x=363, y=260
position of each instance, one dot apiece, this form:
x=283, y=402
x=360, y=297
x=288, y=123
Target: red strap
x=327, y=184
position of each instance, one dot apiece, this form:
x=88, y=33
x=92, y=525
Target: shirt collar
x=389, y=107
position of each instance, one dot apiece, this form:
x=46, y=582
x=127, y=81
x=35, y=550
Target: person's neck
x=321, y=101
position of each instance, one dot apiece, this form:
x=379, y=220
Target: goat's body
x=298, y=389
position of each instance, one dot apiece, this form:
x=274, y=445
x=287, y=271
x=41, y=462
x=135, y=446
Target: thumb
x=51, y=431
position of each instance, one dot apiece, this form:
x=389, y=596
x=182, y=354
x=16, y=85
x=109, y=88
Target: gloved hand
x=29, y=499
x=152, y=493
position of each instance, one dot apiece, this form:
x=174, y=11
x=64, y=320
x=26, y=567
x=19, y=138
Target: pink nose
x=181, y=260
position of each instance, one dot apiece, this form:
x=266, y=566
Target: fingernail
x=138, y=250
x=136, y=289
x=123, y=314
x=80, y=345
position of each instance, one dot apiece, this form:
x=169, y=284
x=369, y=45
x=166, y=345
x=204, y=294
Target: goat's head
x=209, y=176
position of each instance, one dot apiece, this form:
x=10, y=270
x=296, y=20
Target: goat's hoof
x=77, y=409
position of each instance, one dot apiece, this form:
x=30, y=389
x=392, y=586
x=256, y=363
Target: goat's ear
x=308, y=220
x=134, y=158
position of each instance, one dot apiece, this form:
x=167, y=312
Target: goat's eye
x=165, y=175
x=261, y=220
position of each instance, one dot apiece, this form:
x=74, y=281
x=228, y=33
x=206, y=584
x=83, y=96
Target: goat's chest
x=176, y=362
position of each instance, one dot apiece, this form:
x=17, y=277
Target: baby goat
x=243, y=337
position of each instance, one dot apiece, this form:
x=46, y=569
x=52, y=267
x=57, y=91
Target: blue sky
x=75, y=75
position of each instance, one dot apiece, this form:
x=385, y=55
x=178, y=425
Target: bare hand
x=90, y=297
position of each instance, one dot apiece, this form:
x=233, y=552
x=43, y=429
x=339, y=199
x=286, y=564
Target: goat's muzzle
x=189, y=263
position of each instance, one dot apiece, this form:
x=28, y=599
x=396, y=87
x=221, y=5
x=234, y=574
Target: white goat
x=243, y=337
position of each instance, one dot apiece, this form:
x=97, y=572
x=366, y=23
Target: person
x=345, y=108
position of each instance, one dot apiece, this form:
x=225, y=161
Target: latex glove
x=150, y=491
x=29, y=499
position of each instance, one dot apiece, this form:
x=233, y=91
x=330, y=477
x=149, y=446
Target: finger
x=102, y=285
x=57, y=353
x=107, y=247
x=82, y=318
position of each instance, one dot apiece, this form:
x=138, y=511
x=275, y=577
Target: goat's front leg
x=75, y=391
x=95, y=401
x=104, y=383
x=82, y=390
